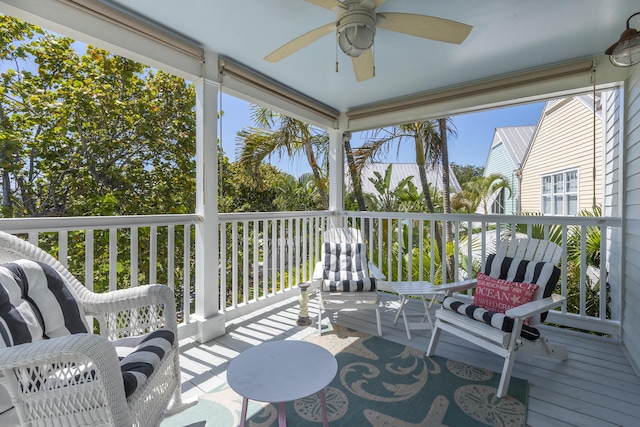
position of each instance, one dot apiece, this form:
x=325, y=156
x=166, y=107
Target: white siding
x=564, y=141
x=500, y=162
x=612, y=201
x=631, y=280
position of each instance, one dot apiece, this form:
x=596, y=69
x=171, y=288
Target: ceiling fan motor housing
x=356, y=30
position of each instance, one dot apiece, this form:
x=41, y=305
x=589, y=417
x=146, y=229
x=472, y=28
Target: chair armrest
x=152, y=307
x=449, y=288
x=58, y=370
x=375, y=272
x=123, y=299
x=536, y=307
x=317, y=272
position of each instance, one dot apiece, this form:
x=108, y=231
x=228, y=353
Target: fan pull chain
x=336, y=53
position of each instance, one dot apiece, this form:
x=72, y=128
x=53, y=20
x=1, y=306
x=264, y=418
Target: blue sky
x=470, y=147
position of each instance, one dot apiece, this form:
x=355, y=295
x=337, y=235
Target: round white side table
x=282, y=371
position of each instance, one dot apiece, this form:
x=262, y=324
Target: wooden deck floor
x=596, y=386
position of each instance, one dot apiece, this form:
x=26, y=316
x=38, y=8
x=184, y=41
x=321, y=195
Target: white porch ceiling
x=508, y=36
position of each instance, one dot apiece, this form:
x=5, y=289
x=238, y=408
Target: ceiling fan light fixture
x=626, y=51
x=356, y=31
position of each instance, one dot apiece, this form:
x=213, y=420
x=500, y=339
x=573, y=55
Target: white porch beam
x=336, y=175
x=70, y=21
x=527, y=86
x=211, y=323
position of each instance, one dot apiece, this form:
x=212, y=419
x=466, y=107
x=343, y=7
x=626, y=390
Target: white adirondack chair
x=505, y=344
x=338, y=287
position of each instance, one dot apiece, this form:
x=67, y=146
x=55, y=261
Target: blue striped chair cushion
x=491, y=318
x=140, y=355
x=543, y=274
x=36, y=303
x=346, y=268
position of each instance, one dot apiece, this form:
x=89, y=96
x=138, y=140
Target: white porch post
x=336, y=176
x=211, y=323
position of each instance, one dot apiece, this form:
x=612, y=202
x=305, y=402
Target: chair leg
x=435, y=335
x=379, y=321
x=507, y=368
x=320, y=320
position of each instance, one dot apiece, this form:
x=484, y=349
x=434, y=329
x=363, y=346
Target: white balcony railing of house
x=263, y=256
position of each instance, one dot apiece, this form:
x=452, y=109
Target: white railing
x=119, y=251
x=403, y=245
x=263, y=256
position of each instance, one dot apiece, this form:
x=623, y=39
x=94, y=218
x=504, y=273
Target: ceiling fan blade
x=328, y=4
x=363, y=66
x=428, y=27
x=300, y=42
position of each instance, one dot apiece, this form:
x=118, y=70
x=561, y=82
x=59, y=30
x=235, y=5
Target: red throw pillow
x=500, y=295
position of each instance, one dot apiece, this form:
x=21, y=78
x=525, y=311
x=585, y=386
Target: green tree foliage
x=92, y=133
x=596, y=276
x=277, y=134
x=466, y=173
x=478, y=192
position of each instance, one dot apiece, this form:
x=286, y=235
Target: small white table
x=282, y=371
x=423, y=290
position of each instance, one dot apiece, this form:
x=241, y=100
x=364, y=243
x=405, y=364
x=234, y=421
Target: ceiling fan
x=356, y=24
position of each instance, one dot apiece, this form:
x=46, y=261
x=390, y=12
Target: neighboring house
x=505, y=157
x=400, y=171
x=562, y=181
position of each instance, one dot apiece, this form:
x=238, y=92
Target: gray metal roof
x=516, y=140
x=399, y=172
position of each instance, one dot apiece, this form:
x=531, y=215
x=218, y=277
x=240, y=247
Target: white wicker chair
x=76, y=379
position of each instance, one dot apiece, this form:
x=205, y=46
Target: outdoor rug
x=379, y=383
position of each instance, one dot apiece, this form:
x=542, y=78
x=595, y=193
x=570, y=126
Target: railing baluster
x=186, y=278
x=234, y=264
x=602, y=280
x=63, y=245
x=113, y=259
x=171, y=256
x=255, y=283
x=432, y=251
x=223, y=266
x=583, y=271
x=133, y=256
x=563, y=277
x=421, y=249
x=274, y=254
x=88, y=259
x=289, y=248
x=410, y=251
x=245, y=262
x=153, y=254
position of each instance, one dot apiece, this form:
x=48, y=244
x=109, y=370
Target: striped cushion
x=346, y=268
x=36, y=303
x=140, y=355
x=491, y=318
x=543, y=274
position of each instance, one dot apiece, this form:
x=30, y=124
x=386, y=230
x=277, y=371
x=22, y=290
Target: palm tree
x=278, y=134
x=479, y=191
x=390, y=199
x=446, y=180
x=428, y=143
x=354, y=173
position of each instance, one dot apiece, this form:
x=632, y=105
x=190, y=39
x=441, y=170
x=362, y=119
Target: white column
x=211, y=323
x=336, y=175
